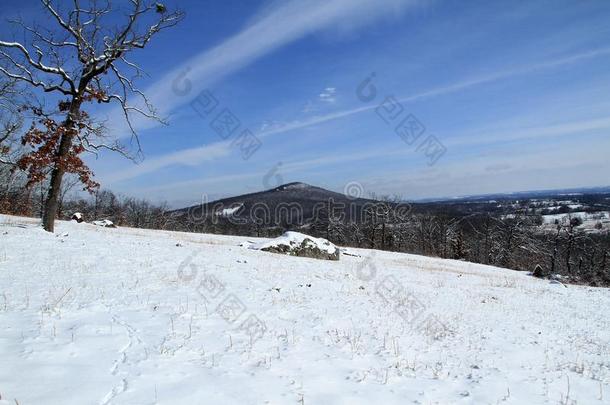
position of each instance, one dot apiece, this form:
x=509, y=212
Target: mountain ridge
x=290, y=206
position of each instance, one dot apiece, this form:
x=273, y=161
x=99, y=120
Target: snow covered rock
x=77, y=216
x=105, y=223
x=538, y=272
x=299, y=244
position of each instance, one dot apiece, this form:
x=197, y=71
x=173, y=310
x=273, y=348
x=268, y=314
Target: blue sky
x=516, y=92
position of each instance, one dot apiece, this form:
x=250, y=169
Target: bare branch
x=38, y=63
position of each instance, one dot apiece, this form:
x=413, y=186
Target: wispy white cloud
x=490, y=136
x=188, y=157
x=440, y=91
x=518, y=169
x=325, y=98
x=199, y=183
x=328, y=95
x=523, y=70
x=543, y=131
x=504, y=169
x=275, y=27
x=480, y=137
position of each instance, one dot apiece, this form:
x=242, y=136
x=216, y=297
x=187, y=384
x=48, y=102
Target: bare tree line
x=515, y=242
x=17, y=199
x=512, y=241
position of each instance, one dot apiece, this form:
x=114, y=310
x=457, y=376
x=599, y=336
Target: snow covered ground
x=94, y=315
x=595, y=222
x=585, y=216
x=227, y=212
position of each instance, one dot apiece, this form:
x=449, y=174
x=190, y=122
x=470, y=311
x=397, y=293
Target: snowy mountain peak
x=293, y=186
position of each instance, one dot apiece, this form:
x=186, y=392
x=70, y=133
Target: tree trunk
x=50, y=208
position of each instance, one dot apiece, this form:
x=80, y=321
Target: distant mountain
x=289, y=204
x=522, y=194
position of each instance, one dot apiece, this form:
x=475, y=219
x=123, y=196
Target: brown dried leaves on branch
x=44, y=138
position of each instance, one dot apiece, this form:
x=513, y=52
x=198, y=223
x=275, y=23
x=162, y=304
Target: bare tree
x=82, y=58
x=11, y=120
x=66, y=187
x=573, y=235
x=12, y=200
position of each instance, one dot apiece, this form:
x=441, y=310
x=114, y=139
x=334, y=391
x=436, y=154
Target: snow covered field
x=94, y=315
x=585, y=216
x=590, y=221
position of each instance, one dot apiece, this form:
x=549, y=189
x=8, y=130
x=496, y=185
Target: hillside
x=293, y=204
x=91, y=315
